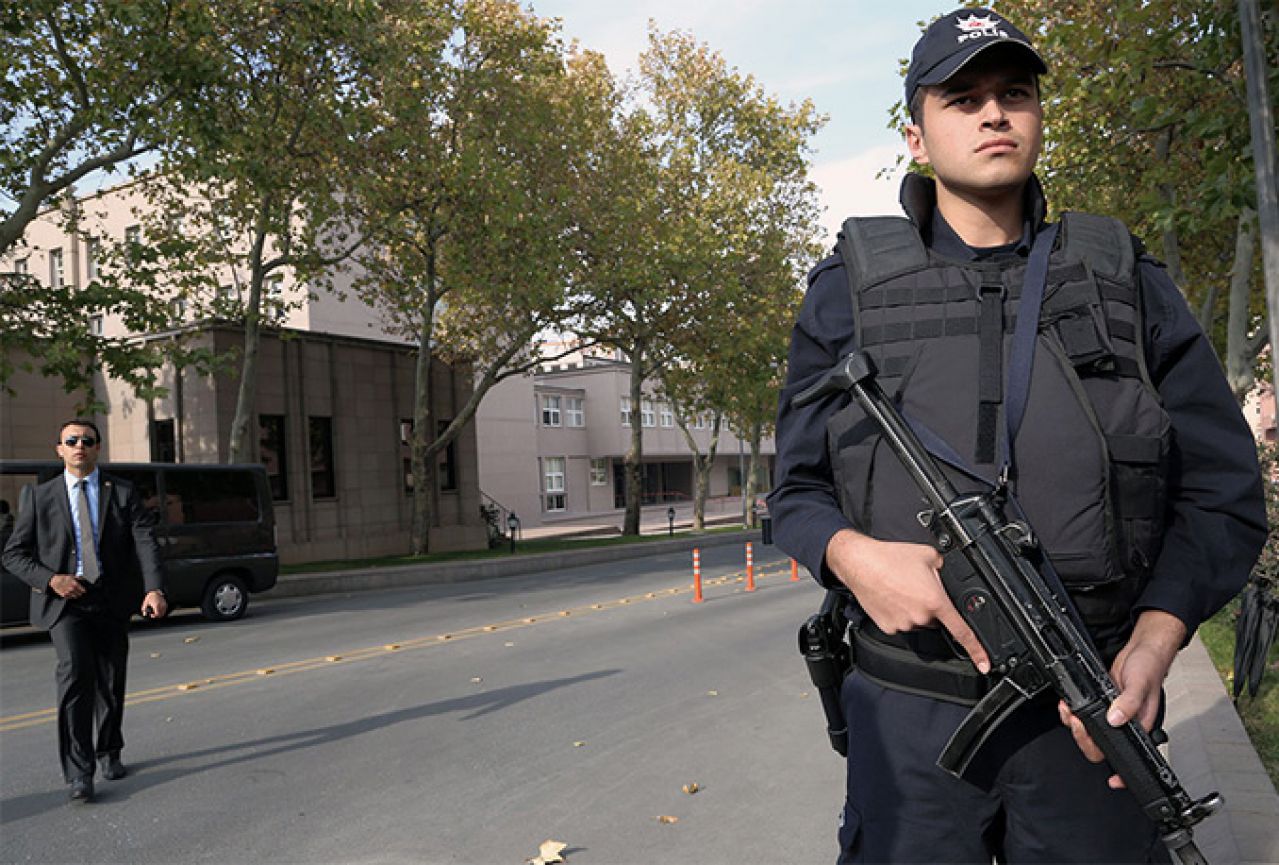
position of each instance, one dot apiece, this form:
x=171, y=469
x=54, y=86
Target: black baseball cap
x=953, y=40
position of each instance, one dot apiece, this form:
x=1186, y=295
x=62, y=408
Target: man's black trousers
x=93, y=658
x=1030, y=796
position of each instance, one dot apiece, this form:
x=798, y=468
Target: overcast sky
x=842, y=54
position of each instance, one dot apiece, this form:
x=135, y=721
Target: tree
x=485, y=132
x=88, y=85
x=264, y=193
x=1151, y=125
x=706, y=144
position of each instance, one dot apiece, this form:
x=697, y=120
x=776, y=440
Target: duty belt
x=918, y=662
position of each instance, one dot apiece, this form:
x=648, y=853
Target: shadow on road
x=152, y=773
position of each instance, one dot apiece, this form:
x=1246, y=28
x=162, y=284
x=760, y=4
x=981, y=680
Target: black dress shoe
x=112, y=768
x=81, y=791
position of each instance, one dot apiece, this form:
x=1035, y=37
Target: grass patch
x=522, y=548
x=1260, y=714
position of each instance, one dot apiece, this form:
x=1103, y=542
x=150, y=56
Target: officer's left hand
x=1139, y=672
x=154, y=606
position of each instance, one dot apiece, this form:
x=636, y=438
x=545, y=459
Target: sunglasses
x=72, y=441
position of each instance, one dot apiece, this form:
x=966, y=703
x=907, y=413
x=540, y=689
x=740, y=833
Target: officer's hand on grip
x=1139, y=672
x=899, y=586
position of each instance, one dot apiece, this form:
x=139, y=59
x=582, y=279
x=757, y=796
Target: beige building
x=552, y=445
x=334, y=406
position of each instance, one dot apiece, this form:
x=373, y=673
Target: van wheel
x=225, y=598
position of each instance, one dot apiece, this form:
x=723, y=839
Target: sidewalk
x=1210, y=751
x=654, y=520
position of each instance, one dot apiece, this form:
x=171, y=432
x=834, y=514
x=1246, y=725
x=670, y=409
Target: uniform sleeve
x=804, y=503
x=1217, y=512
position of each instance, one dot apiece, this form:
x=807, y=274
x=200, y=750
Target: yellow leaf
x=666, y=818
x=549, y=853
x=191, y=640
x=691, y=788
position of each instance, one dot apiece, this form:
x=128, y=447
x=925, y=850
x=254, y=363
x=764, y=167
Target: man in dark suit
x=86, y=545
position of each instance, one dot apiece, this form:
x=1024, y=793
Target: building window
x=133, y=234
x=550, y=411
x=92, y=246
x=57, y=274
x=95, y=325
x=271, y=447
x=227, y=292
x=164, y=444
x=575, y=410
x=668, y=416
x=178, y=308
x=626, y=411
x=22, y=265
x=553, y=483
x=647, y=418
x=274, y=287
x=320, y=437
x=599, y=472
x=447, y=471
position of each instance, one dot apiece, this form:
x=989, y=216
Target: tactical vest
x=1091, y=453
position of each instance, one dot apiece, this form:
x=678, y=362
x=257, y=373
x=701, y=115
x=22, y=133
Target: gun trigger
x=926, y=518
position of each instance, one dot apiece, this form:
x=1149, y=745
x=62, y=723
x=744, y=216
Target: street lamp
x=512, y=524
x=670, y=520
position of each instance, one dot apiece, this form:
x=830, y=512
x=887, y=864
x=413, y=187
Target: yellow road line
x=168, y=692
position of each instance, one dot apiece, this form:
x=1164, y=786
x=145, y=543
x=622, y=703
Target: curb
x=401, y=576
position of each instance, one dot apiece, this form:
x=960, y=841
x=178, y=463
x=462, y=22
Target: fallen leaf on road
x=691, y=788
x=155, y=654
x=265, y=671
x=333, y=659
x=191, y=640
x=548, y=853
x=476, y=679
x=188, y=687
x=578, y=744
x=666, y=818
x=509, y=645
x=712, y=693
x=391, y=647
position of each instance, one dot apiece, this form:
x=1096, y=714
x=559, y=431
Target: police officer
x=1132, y=461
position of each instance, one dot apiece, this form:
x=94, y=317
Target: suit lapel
x=62, y=503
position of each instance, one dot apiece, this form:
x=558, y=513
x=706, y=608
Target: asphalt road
x=462, y=723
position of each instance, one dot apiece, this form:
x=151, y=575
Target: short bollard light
x=512, y=524
x=670, y=522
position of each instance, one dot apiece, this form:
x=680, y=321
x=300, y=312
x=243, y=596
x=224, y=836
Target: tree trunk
x=242, y=447
x=634, y=456
x=1262, y=119
x=752, y=475
x=702, y=465
x=422, y=463
x=1238, y=354
x=1171, y=243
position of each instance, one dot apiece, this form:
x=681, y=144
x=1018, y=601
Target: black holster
x=821, y=642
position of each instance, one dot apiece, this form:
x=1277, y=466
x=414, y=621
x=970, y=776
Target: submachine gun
x=1032, y=633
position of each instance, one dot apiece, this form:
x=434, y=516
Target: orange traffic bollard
x=697, y=577
x=794, y=571
x=750, y=569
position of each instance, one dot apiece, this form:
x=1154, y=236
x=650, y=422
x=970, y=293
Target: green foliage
x=88, y=85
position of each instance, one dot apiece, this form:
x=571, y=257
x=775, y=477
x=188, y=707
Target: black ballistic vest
x=1092, y=451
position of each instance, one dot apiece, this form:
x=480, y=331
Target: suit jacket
x=43, y=544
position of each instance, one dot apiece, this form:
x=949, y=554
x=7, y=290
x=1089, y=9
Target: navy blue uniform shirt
x=1217, y=520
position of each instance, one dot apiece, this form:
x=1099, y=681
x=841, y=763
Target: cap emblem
x=974, y=27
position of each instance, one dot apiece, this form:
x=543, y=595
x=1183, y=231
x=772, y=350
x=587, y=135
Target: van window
x=210, y=497
x=144, y=484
